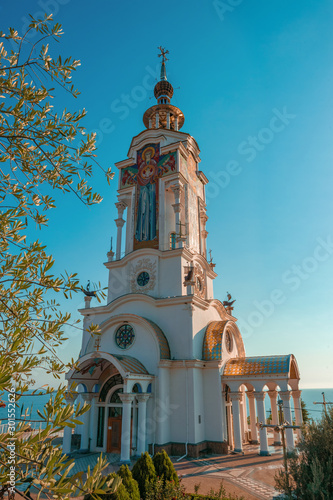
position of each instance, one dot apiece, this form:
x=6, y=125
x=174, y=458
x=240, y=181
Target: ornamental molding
x=236, y=396
x=199, y=275
x=143, y=265
x=143, y=397
x=285, y=395
x=127, y=397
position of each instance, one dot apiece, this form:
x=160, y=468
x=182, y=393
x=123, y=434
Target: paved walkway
x=249, y=475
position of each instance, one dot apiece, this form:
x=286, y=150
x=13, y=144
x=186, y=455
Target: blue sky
x=254, y=81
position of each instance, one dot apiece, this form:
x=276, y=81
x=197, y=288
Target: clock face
x=228, y=342
x=143, y=278
x=125, y=336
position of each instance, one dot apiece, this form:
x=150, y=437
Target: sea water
x=34, y=403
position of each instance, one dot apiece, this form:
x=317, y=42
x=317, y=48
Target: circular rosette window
x=125, y=336
x=143, y=278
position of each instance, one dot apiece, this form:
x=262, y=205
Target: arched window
x=172, y=241
x=115, y=380
x=115, y=396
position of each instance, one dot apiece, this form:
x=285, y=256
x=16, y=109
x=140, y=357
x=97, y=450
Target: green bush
x=164, y=467
x=120, y=494
x=129, y=482
x=144, y=473
x=165, y=490
x=310, y=467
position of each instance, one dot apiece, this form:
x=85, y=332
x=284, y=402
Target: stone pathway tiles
x=249, y=473
x=83, y=461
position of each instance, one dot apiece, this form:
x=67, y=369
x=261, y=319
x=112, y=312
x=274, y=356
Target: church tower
x=169, y=369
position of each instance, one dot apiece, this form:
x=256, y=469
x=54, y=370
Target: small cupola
x=164, y=114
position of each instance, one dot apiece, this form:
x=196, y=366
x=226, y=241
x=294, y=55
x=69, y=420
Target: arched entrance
x=110, y=408
x=118, y=403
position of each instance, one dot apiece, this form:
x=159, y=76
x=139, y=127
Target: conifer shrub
x=129, y=482
x=144, y=473
x=164, y=467
x=120, y=494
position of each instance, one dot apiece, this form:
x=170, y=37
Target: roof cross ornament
x=181, y=224
x=163, y=53
x=97, y=344
x=324, y=402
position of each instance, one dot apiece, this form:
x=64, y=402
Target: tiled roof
x=212, y=344
x=131, y=365
x=257, y=365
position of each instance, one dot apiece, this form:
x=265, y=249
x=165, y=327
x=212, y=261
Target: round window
x=125, y=336
x=143, y=278
x=228, y=341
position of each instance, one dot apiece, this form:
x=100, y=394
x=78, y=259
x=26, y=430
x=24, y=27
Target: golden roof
x=257, y=365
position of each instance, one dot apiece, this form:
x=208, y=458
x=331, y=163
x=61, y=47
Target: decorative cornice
x=202, y=177
x=158, y=136
x=144, y=252
x=182, y=363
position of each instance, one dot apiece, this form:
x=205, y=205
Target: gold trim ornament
x=199, y=283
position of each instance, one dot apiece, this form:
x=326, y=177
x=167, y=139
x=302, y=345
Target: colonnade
x=89, y=424
x=258, y=413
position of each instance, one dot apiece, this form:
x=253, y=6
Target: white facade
x=169, y=369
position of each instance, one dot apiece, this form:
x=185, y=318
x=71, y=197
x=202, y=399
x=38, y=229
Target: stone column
x=127, y=400
x=204, y=233
x=177, y=206
x=87, y=301
x=168, y=119
x=67, y=438
x=176, y=123
x=285, y=396
x=275, y=418
x=230, y=426
x=298, y=410
x=157, y=120
x=260, y=399
x=163, y=401
x=119, y=223
x=93, y=421
x=142, y=422
x=243, y=413
x=253, y=418
x=224, y=418
x=235, y=399
x=85, y=433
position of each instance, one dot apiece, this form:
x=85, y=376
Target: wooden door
x=114, y=435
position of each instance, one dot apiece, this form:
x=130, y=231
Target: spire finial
x=164, y=58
